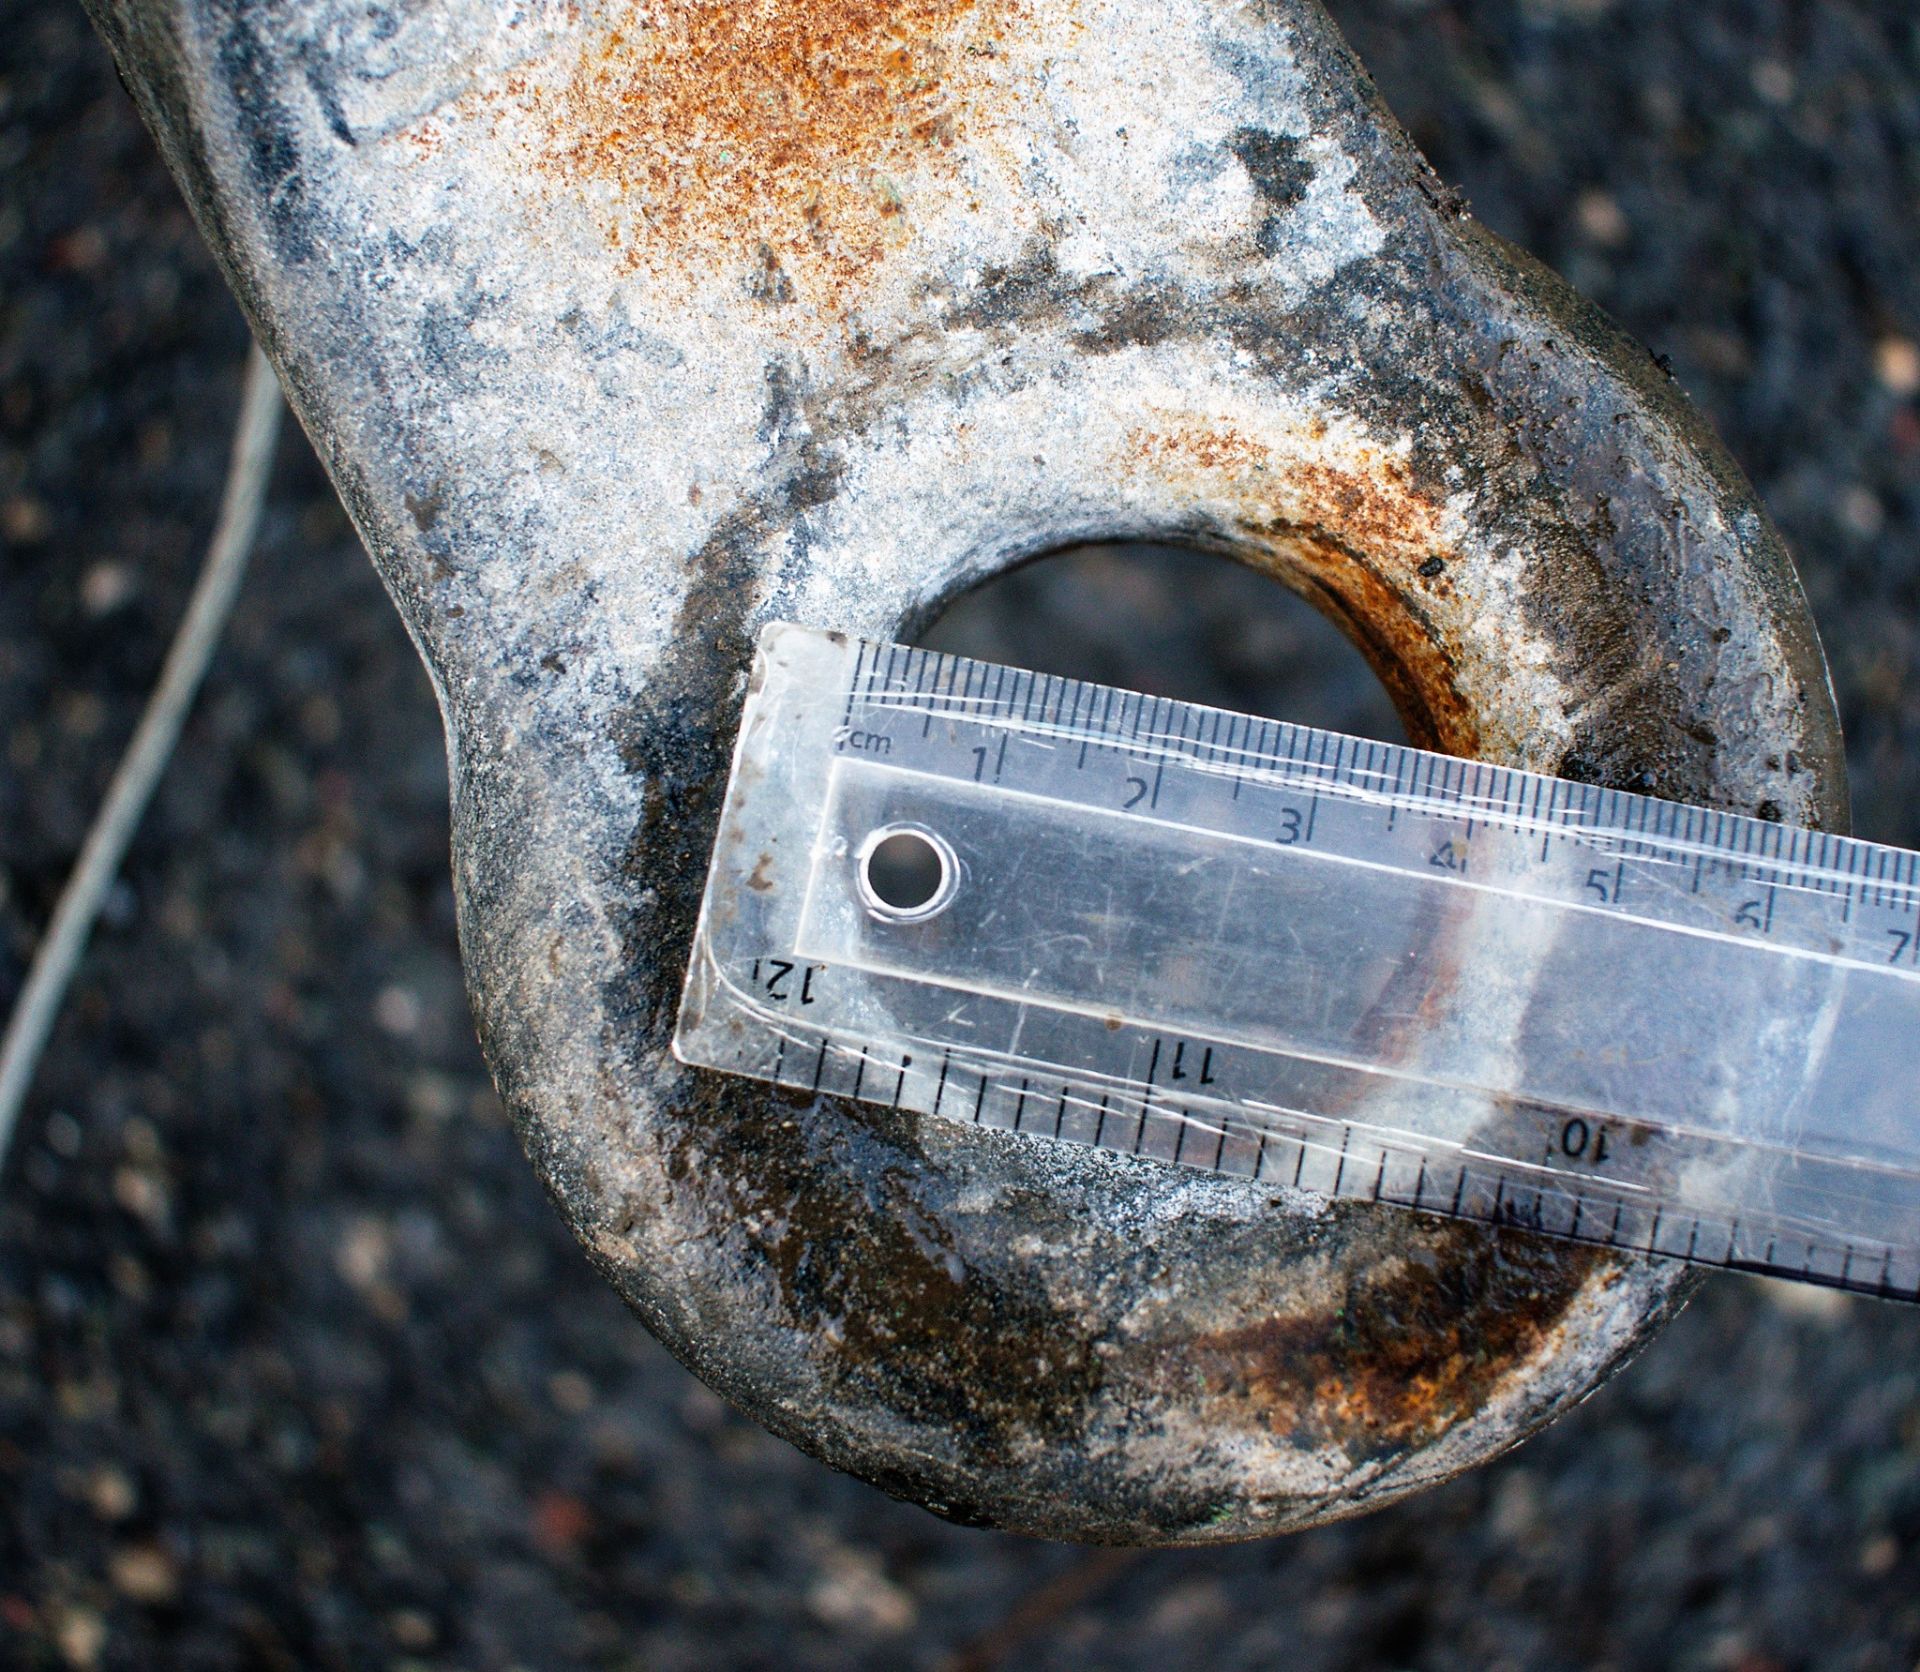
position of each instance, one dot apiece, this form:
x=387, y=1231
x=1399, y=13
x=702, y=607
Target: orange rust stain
x=1378, y=611
x=1369, y=501
x=1420, y=1341
x=771, y=132
x=1350, y=534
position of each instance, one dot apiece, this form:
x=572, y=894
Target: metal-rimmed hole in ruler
x=907, y=873
x=1319, y=962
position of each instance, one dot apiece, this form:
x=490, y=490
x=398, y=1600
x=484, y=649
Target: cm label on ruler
x=1094, y=916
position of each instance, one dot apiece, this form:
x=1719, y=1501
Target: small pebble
x=364, y=1253
x=412, y=1629
x=146, y=1574
x=1774, y=82
x=1862, y=512
x=105, y=587
x=143, y=1195
x=24, y=520
x=397, y=1011
x=80, y=1634
x=560, y=1521
x=1602, y=219
x=1877, y=1557
x=1896, y=362
x=855, y=1594
x=111, y=1493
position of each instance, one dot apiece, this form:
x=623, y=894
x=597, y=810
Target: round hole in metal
x=1175, y=622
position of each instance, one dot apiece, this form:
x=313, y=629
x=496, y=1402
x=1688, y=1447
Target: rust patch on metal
x=1344, y=525
x=775, y=134
x=1424, y=1334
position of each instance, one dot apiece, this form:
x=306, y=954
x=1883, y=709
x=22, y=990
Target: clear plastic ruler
x=1095, y=917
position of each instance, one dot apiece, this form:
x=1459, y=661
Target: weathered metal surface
x=624, y=327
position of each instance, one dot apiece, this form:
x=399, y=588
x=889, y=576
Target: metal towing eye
x=626, y=327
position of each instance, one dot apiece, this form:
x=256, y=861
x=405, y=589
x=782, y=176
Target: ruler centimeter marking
x=1526, y=1208
x=1451, y=986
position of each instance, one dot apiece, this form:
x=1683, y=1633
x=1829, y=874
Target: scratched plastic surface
x=1323, y=962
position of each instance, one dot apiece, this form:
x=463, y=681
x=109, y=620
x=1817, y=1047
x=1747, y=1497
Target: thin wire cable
x=134, y=780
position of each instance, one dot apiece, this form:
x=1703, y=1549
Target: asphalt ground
x=297, y=1365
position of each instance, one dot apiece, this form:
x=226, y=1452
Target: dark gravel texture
x=297, y=1367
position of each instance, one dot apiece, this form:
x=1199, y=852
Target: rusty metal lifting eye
x=602, y=407
x=907, y=873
